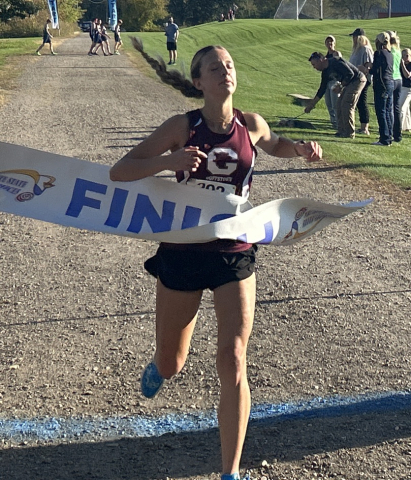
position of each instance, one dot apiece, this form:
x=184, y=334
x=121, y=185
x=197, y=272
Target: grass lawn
x=271, y=58
x=11, y=56
x=271, y=61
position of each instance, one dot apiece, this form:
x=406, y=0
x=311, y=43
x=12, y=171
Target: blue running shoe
x=151, y=381
x=234, y=476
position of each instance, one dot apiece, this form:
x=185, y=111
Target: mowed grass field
x=271, y=58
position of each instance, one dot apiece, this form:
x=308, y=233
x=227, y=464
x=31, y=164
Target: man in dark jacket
x=349, y=82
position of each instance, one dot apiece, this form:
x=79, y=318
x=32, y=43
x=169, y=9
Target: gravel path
x=77, y=307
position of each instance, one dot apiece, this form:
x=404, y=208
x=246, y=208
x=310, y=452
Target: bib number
x=224, y=188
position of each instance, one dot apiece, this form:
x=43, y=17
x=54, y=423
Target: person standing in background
x=117, y=37
x=93, y=29
x=105, y=39
x=396, y=76
x=362, y=57
x=383, y=85
x=172, y=33
x=331, y=97
x=405, y=98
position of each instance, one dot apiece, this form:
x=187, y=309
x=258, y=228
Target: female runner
x=214, y=143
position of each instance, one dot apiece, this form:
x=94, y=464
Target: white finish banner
x=76, y=193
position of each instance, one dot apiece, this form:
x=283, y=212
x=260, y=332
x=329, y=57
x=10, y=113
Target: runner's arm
x=147, y=158
x=277, y=146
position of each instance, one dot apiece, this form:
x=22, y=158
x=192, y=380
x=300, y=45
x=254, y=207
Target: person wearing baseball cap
x=357, y=32
x=383, y=85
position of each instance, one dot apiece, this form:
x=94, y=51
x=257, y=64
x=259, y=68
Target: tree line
x=141, y=15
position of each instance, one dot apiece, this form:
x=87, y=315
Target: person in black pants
x=383, y=85
x=362, y=57
x=396, y=75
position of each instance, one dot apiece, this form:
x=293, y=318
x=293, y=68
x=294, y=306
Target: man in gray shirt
x=172, y=33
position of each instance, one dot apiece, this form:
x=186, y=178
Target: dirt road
x=77, y=310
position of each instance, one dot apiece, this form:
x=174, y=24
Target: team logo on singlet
x=222, y=161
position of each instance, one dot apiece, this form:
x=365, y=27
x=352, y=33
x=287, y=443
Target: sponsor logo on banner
x=25, y=184
x=306, y=220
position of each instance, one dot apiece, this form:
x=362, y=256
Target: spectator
x=222, y=18
x=405, y=98
x=172, y=34
x=234, y=9
x=396, y=75
x=331, y=97
x=349, y=82
x=362, y=57
x=383, y=85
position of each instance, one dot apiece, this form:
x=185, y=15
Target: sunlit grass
x=271, y=61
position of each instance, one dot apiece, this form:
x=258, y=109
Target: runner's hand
x=187, y=159
x=311, y=151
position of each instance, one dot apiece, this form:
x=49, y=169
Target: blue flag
x=54, y=16
x=112, y=12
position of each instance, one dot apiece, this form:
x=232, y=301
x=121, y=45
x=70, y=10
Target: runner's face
x=218, y=73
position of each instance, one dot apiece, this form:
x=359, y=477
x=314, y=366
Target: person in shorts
x=47, y=38
x=92, y=33
x=172, y=34
x=117, y=37
x=214, y=143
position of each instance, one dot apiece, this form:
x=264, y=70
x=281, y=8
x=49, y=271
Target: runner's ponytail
x=171, y=77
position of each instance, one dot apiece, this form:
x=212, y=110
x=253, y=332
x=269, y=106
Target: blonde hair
x=383, y=40
x=362, y=41
x=175, y=78
x=394, y=39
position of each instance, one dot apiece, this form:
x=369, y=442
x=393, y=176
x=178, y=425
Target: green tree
x=177, y=9
x=246, y=9
x=360, y=9
x=141, y=14
x=69, y=11
x=17, y=9
x=200, y=11
x=266, y=8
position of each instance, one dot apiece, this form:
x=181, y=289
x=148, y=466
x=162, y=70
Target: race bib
x=224, y=188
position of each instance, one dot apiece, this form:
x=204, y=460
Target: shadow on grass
x=285, y=438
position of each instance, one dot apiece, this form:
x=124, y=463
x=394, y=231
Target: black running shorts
x=187, y=270
x=171, y=46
